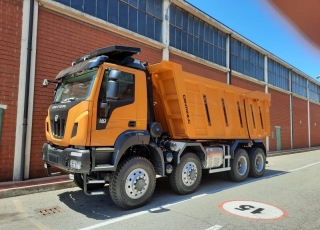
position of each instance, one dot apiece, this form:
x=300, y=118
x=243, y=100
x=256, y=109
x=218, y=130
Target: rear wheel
x=78, y=180
x=186, y=176
x=239, y=166
x=257, y=162
x=133, y=184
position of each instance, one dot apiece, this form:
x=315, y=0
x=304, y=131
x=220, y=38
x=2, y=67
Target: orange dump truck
x=117, y=121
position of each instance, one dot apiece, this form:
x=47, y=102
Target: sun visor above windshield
x=115, y=53
x=88, y=64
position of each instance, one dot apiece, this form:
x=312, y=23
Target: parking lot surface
x=286, y=197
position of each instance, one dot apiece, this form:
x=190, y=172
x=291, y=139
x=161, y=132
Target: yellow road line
x=33, y=221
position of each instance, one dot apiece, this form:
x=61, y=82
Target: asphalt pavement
x=286, y=197
x=18, y=188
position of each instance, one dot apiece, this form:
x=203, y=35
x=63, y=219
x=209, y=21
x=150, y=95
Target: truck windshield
x=75, y=87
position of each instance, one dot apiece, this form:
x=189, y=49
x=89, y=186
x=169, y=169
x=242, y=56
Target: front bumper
x=61, y=158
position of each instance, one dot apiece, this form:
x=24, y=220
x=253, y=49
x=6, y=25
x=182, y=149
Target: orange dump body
x=194, y=107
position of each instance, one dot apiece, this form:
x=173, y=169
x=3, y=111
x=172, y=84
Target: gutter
x=2, y=108
x=229, y=59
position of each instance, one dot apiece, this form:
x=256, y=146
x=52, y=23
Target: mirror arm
x=46, y=82
x=104, y=104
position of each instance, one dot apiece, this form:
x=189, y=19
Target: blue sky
x=258, y=22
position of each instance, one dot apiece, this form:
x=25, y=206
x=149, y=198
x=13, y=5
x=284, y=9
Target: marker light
x=76, y=154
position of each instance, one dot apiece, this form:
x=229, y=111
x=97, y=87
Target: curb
x=291, y=151
x=12, y=189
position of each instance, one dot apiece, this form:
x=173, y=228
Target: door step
x=94, y=192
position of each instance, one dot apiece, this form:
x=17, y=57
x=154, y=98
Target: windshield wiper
x=69, y=99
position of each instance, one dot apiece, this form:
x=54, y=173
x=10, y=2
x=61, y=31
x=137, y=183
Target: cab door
x=113, y=116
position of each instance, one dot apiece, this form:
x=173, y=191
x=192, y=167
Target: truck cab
x=94, y=103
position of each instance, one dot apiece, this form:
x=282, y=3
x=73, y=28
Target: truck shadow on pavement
x=102, y=207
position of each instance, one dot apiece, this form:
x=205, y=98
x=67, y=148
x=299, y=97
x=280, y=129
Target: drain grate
x=49, y=211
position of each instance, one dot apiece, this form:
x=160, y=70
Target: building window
x=314, y=92
x=299, y=84
x=246, y=60
x=278, y=75
x=192, y=35
x=140, y=16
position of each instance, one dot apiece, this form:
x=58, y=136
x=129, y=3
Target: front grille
x=53, y=158
x=58, y=127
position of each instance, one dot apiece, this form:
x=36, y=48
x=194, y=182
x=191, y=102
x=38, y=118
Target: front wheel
x=186, y=176
x=239, y=166
x=133, y=184
x=257, y=162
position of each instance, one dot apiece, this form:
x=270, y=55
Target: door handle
x=132, y=124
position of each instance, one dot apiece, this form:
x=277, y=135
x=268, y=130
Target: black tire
x=133, y=184
x=257, y=162
x=240, y=166
x=78, y=180
x=189, y=164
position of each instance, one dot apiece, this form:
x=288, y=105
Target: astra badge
x=103, y=121
x=56, y=118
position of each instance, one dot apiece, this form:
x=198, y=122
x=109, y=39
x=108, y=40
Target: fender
x=127, y=139
x=235, y=145
x=157, y=159
x=138, y=137
x=256, y=143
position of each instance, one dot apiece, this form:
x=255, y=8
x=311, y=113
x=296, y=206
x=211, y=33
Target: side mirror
x=113, y=90
x=113, y=85
x=114, y=74
x=45, y=83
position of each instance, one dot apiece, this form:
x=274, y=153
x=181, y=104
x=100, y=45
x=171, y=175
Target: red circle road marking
x=253, y=210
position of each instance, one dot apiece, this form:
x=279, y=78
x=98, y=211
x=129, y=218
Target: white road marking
x=115, y=220
x=174, y=203
x=214, y=227
x=304, y=167
x=195, y=197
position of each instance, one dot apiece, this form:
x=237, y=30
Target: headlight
x=75, y=164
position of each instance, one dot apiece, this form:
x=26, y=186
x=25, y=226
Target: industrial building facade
x=63, y=30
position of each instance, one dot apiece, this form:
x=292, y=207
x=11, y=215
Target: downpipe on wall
x=26, y=98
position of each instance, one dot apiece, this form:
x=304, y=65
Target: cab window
x=126, y=86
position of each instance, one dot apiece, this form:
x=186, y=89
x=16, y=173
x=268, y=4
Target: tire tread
x=252, y=172
x=173, y=176
x=114, y=181
x=233, y=173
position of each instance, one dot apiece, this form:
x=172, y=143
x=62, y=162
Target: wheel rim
x=137, y=183
x=259, y=163
x=242, y=165
x=189, y=174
